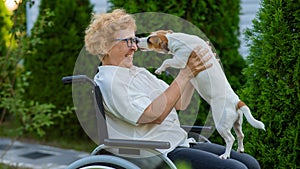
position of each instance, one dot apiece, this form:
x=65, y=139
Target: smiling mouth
x=143, y=49
x=129, y=55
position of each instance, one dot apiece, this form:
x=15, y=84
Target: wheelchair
x=121, y=153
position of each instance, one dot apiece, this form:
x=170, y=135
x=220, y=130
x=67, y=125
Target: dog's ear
x=162, y=32
x=169, y=31
x=155, y=40
x=164, y=46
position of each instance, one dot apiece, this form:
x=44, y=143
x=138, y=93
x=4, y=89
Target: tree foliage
x=56, y=40
x=5, y=26
x=55, y=53
x=273, y=84
x=29, y=115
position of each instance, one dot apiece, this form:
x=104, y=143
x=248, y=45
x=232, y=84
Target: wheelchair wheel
x=102, y=162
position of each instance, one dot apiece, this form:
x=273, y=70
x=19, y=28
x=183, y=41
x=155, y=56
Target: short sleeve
x=126, y=95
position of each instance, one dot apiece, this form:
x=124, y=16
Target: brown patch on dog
x=158, y=41
x=240, y=104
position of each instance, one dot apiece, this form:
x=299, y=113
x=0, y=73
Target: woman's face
x=120, y=54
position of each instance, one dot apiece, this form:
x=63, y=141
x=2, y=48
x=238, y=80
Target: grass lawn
x=3, y=166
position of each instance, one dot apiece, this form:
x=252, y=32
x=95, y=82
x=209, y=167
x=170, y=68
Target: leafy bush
x=59, y=30
x=56, y=40
x=5, y=26
x=31, y=115
x=273, y=84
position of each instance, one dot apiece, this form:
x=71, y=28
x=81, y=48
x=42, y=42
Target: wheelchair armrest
x=137, y=143
x=196, y=129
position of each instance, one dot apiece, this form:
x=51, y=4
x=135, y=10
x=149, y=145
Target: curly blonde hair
x=99, y=35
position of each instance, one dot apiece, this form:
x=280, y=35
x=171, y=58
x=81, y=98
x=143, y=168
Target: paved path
x=36, y=156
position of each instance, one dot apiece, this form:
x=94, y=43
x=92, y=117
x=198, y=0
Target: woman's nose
x=134, y=47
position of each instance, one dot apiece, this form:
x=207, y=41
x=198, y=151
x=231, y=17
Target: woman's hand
x=196, y=62
x=180, y=89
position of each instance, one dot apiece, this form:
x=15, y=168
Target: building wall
x=248, y=13
x=32, y=12
x=101, y=6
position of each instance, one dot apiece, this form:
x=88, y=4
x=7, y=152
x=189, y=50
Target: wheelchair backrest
x=100, y=114
x=97, y=103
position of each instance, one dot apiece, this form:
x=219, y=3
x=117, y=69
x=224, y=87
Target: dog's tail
x=246, y=111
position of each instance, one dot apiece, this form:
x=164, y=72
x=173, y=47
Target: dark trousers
x=206, y=156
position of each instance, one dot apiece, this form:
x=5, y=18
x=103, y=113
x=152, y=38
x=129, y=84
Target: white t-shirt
x=127, y=93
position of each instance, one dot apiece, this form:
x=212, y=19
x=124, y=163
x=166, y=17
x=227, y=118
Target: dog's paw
x=240, y=150
x=158, y=71
x=224, y=156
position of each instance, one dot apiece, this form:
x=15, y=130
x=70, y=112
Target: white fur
x=213, y=87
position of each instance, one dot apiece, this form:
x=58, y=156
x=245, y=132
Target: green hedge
x=5, y=26
x=273, y=84
x=56, y=40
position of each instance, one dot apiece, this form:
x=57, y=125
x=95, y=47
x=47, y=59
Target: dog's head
x=156, y=41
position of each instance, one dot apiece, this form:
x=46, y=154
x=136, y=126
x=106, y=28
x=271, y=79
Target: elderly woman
x=142, y=107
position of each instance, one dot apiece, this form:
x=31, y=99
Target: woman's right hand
x=161, y=107
x=196, y=62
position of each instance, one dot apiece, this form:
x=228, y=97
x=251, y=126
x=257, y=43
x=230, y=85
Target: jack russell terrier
x=212, y=85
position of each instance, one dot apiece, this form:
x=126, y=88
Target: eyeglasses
x=129, y=41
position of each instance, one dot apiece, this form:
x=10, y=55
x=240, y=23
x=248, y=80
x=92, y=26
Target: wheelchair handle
x=77, y=79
